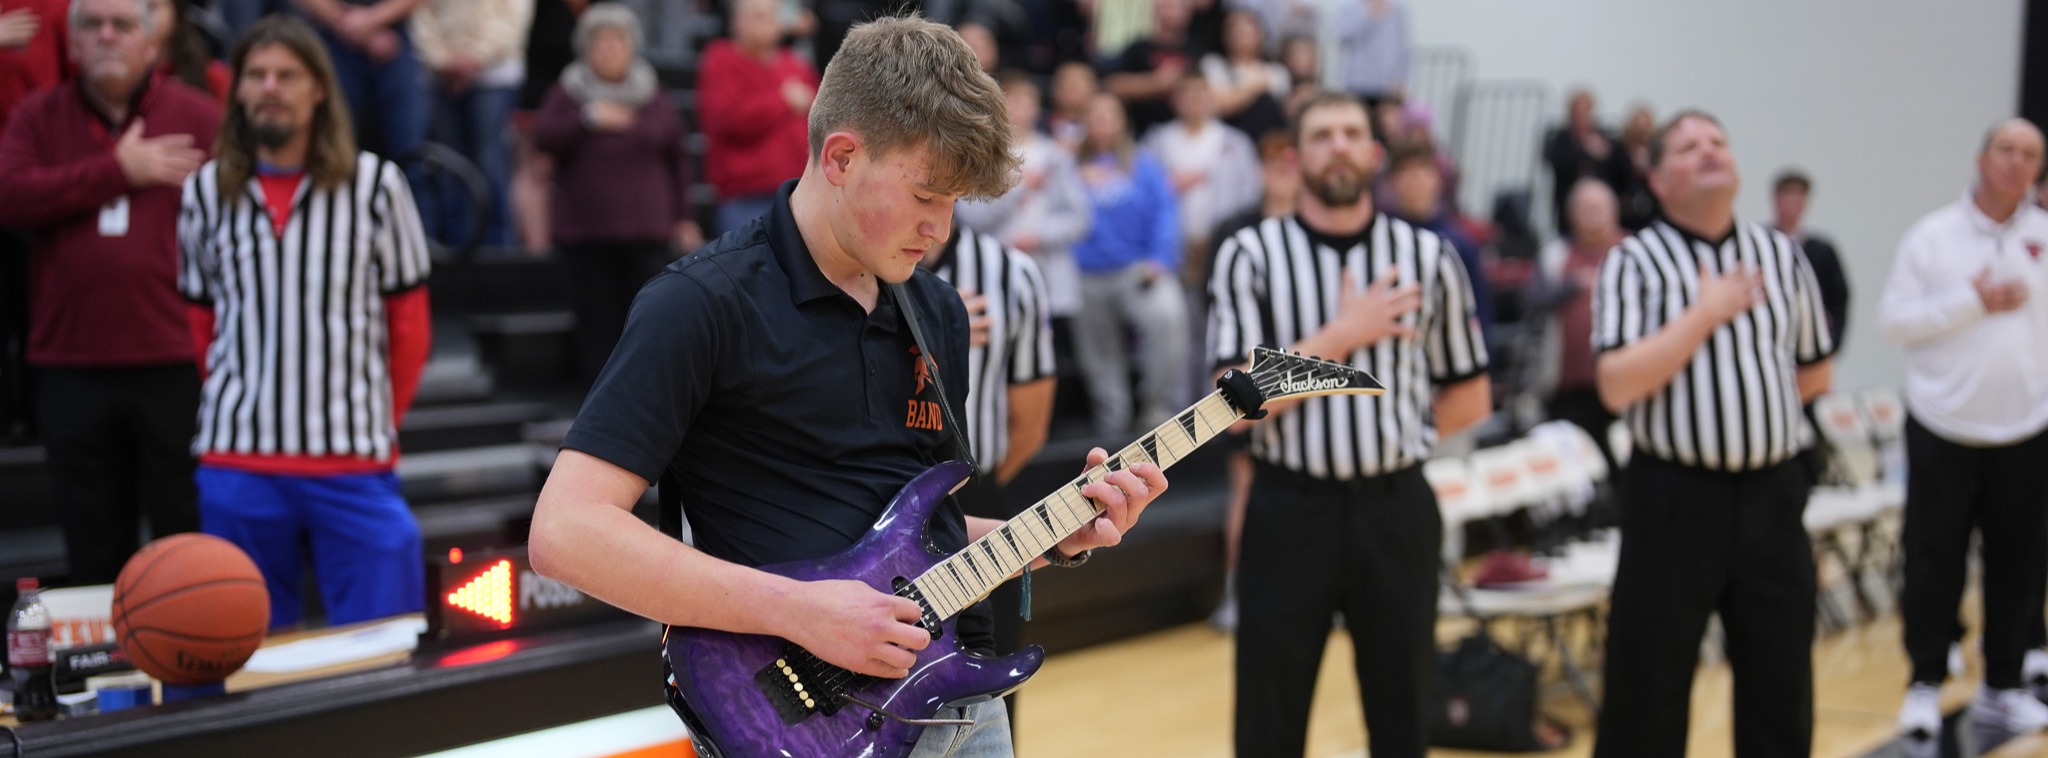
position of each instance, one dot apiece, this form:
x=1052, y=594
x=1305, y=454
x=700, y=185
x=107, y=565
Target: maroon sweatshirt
x=97, y=300
x=630, y=186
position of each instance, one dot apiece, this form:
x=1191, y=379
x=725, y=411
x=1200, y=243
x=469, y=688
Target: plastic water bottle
x=28, y=655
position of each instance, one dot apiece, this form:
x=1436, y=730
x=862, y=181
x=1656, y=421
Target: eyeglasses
x=90, y=24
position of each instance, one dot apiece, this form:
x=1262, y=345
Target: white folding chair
x=1850, y=504
x=1550, y=478
x=1582, y=460
x=1885, y=412
x=1458, y=498
x=1851, y=446
x=1497, y=472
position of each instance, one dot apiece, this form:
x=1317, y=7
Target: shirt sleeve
x=194, y=266
x=401, y=242
x=1237, y=293
x=1812, y=342
x=658, y=379
x=1918, y=306
x=1454, y=342
x=1030, y=321
x=1618, y=302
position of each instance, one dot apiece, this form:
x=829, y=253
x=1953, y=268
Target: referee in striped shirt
x=306, y=266
x=1339, y=516
x=1009, y=390
x=1710, y=335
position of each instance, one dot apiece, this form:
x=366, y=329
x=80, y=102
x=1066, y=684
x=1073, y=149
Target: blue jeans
x=988, y=738
x=364, y=540
x=736, y=212
x=388, y=100
x=474, y=124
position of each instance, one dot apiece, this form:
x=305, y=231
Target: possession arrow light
x=488, y=595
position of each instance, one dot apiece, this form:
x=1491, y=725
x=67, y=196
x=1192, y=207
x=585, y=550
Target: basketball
x=190, y=609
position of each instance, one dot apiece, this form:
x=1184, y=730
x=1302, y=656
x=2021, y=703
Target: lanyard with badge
x=113, y=215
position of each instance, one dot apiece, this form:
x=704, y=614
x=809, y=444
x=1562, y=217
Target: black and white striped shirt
x=1735, y=406
x=1276, y=283
x=298, y=364
x=1019, y=349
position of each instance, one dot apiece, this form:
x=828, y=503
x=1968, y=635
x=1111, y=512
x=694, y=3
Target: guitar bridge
x=798, y=684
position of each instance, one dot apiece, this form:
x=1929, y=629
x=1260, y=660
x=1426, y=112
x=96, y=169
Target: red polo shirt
x=100, y=297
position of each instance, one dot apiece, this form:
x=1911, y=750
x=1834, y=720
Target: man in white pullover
x=1968, y=298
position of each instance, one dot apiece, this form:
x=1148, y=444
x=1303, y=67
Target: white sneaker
x=2014, y=711
x=2034, y=672
x=1225, y=618
x=1920, y=717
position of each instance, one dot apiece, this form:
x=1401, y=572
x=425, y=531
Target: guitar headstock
x=1279, y=376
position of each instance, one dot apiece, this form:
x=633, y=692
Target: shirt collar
x=135, y=102
x=1339, y=242
x=806, y=282
x=1983, y=223
x=1692, y=236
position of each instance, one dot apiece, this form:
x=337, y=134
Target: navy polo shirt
x=783, y=415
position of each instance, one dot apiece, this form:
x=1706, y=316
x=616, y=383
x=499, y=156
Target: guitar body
x=737, y=698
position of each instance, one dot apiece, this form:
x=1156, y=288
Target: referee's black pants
x=2001, y=493
x=1694, y=542
x=120, y=447
x=1370, y=548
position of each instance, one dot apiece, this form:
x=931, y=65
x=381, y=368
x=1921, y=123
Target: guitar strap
x=903, y=303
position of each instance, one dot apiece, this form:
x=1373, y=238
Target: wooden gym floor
x=1169, y=694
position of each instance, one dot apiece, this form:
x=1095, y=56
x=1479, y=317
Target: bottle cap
x=25, y=584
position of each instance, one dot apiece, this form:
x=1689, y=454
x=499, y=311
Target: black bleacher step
x=529, y=322
x=451, y=377
x=548, y=435
x=469, y=473
x=448, y=427
x=475, y=524
x=33, y=551
x=500, y=281
x=24, y=488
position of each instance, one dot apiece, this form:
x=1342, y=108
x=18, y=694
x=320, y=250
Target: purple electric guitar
x=750, y=695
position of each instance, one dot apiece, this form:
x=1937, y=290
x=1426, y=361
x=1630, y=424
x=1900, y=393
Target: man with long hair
x=305, y=263
x=91, y=170
x=766, y=377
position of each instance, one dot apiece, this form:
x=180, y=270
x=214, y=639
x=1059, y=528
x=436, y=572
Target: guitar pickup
x=928, y=617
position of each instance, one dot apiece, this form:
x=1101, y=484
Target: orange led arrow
x=488, y=595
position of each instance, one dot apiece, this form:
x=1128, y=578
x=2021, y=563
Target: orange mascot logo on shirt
x=923, y=414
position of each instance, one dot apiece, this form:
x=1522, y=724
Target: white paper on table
x=395, y=636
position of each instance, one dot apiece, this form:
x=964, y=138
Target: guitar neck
x=969, y=575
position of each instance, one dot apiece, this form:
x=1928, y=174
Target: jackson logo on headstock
x=923, y=414
x=1290, y=384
